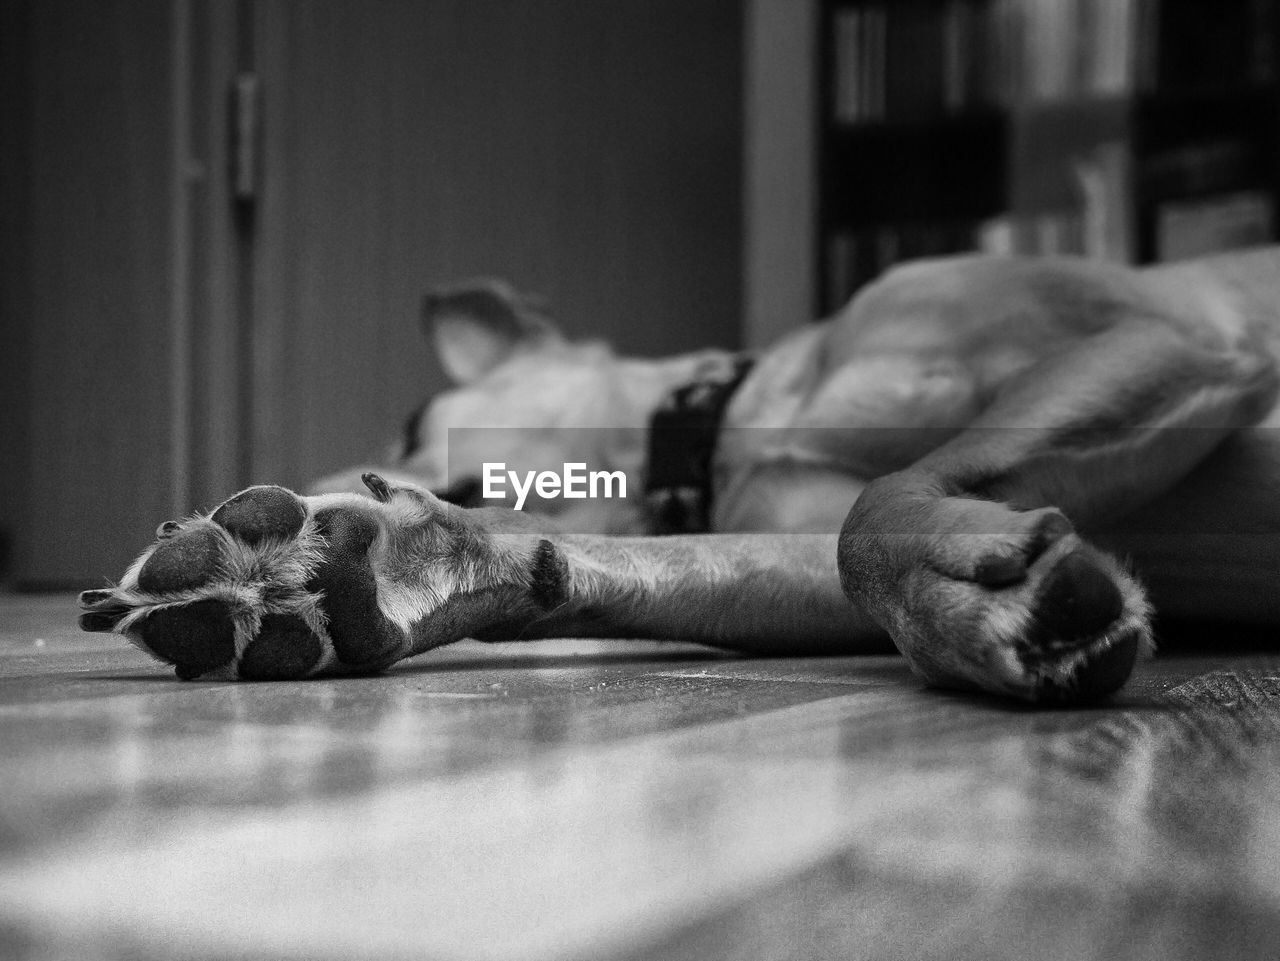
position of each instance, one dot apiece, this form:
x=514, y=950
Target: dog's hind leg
x=970, y=558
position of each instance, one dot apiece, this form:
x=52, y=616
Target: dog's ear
x=478, y=325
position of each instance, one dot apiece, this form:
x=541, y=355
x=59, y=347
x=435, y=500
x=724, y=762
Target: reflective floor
x=604, y=800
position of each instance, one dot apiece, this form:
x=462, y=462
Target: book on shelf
x=1077, y=49
x=1208, y=225
x=911, y=60
x=896, y=60
x=1097, y=223
x=1116, y=130
x=1042, y=234
x=1083, y=49
x=1201, y=45
x=1105, y=180
x=1215, y=165
x=907, y=60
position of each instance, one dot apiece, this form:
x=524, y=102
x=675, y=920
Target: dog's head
x=525, y=395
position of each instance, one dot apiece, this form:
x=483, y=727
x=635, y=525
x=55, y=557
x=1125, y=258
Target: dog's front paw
x=274, y=586
x=977, y=595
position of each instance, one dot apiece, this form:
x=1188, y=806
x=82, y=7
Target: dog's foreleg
x=970, y=559
x=275, y=586
x=762, y=593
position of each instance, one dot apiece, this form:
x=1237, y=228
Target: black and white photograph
x=600, y=480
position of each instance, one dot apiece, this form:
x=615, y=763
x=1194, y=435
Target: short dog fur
x=983, y=460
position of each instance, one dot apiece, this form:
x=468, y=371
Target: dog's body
x=957, y=424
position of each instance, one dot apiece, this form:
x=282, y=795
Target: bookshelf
x=1130, y=130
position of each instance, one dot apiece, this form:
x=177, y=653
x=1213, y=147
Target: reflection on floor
x=601, y=800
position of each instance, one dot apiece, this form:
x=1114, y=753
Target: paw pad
x=262, y=513
x=285, y=647
x=1098, y=676
x=196, y=638
x=362, y=635
x=1078, y=603
x=1077, y=600
x=182, y=561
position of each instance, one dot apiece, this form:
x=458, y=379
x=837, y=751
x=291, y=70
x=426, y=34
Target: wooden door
x=87, y=292
x=164, y=347
x=586, y=151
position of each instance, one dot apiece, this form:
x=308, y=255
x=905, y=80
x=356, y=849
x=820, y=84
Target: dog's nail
x=97, y=622
x=168, y=529
x=102, y=612
x=997, y=571
x=378, y=487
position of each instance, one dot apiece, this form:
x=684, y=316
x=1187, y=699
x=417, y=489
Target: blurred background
x=219, y=216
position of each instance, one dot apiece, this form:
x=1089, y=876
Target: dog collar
x=682, y=442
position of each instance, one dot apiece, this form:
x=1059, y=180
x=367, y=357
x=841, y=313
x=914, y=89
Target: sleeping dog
x=982, y=460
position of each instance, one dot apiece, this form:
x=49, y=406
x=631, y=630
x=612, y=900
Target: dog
x=997, y=465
